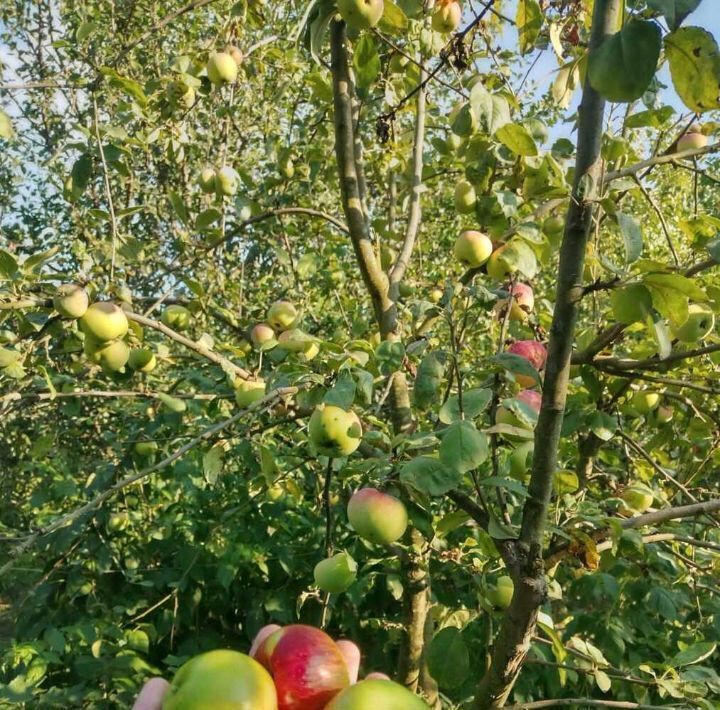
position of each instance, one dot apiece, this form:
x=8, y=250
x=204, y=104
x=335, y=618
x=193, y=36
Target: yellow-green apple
x=473, y=248
x=645, y=401
x=361, y=14
x=179, y=93
x=295, y=340
x=497, y=268
x=145, y=448
x=221, y=68
x=664, y=414
x=500, y=594
x=698, y=325
x=71, y=301
x=335, y=574
x=282, y=315
x=351, y=654
x=142, y=360
x=310, y=351
x=376, y=516
x=446, y=17
x=104, y=321
x=176, y=317
x=637, y=498
x=693, y=139
x=221, y=679
x=206, y=180
x=465, y=197
x=522, y=302
x=112, y=356
x=235, y=53
x=436, y=295
x=553, y=225
x=262, y=337
x=519, y=461
x=377, y=694
x=226, y=181
x=333, y=431
x=249, y=391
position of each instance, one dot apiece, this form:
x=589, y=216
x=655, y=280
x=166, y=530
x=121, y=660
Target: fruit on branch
x=333, y=431
x=664, y=414
x=520, y=460
x=436, y=295
x=176, y=317
x=398, y=63
x=697, y=326
x=376, y=675
x=352, y=656
x=446, y=17
x=104, y=321
x=206, y=180
x=285, y=164
x=259, y=640
x=335, y=574
x=112, y=356
x=221, y=68
x=295, y=340
x=221, y=679
x=145, y=448
x=226, y=181
x=361, y=14
x=235, y=53
x=71, y=301
x=497, y=267
x=522, y=302
x=637, y=498
x=531, y=398
x=376, y=516
x=249, y=391
x=307, y=666
x=262, y=336
x=142, y=360
x=377, y=694
x=465, y=197
x=500, y=594
x=282, y=315
x=405, y=289
x=645, y=401
x=473, y=248
x=693, y=139
x=388, y=256
x=535, y=353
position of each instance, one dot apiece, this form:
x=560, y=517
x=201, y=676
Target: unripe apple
x=377, y=517
x=179, y=93
x=473, y=248
x=71, y=301
x=377, y=694
x=262, y=337
x=142, y=360
x=282, y=315
x=235, y=53
x=638, y=498
x=333, y=431
x=221, y=68
x=117, y=522
x=335, y=574
x=221, y=679
x=694, y=139
x=104, y=321
x=112, y=356
x=553, y=227
x=519, y=461
x=361, y=14
x=295, y=340
x=249, y=391
x=226, y=181
x=497, y=268
x=500, y=595
x=522, y=302
x=206, y=180
x=176, y=317
x=697, y=326
x=644, y=401
x=145, y=448
x=398, y=63
x=465, y=197
x=406, y=290
x=388, y=256
x=664, y=414
x=446, y=18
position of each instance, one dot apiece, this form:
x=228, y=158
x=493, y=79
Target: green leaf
x=623, y=66
x=490, y=110
x=652, y=118
x=342, y=393
x=8, y=264
x=178, y=205
x=366, y=61
x=674, y=11
x=516, y=364
x=428, y=379
x=448, y=658
x=207, y=217
x=602, y=680
x=565, y=482
x=429, y=476
x=631, y=304
x=389, y=356
x=529, y=20
x=661, y=334
x=632, y=236
x=603, y=425
x=694, y=61
x=172, y=403
x=393, y=18
x=212, y=464
x=465, y=123
x=508, y=484
x=475, y=401
x=463, y=447
x=517, y=139
x=661, y=602
x=694, y=654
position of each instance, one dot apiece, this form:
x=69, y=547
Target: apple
x=693, y=139
x=259, y=640
x=226, y=181
x=71, y=301
x=377, y=694
x=377, y=676
x=180, y=93
x=206, y=180
x=282, y=315
x=221, y=68
x=352, y=656
x=235, y=53
x=497, y=268
x=361, y=14
x=532, y=398
x=104, y=321
x=519, y=461
x=637, y=497
x=664, y=414
x=221, y=679
x=112, y=356
x=262, y=337
x=377, y=517
x=500, y=595
x=406, y=290
x=698, y=325
x=294, y=340
x=307, y=666
x=176, y=317
x=436, y=295
x=398, y=63
x=446, y=18
x=249, y=391
x=532, y=350
x=309, y=352
x=465, y=197
x=333, y=431
x=145, y=448
x=473, y=248
x=142, y=360
x=117, y=522
x=335, y=574
x=553, y=225
x=522, y=299
x=644, y=401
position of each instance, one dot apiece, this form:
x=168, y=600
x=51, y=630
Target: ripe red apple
x=376, y=516
x=534, y=352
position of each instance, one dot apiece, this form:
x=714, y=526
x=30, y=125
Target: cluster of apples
x=222, y=182
x=294, y=667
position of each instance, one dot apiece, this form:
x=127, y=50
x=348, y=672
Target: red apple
x=534, y=352
x=523, y=302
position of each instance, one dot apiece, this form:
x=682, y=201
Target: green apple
x=112, y=356
x=176, y=317
x=497, y=267
x=295, y=340
x=520, y=461
x=361, y=14
x=235, y=53
x=206, y=180
x=249, y=391
x=376, y=516
x=446, y=17
x=333, y=431
x=638, y=498
x=104, y=321
x=377, y=694
x=501, y=593
x=226, y=181
x=698, y=325
x=406, y=290
x=262, y=336
x=465, y=197
x=117, y=522
x=221, y=68
x=644, y=401
x=145, y=448
x=282, y=315
x=473, y=248
x=221, y=679
x=388, y=256
x=142, y=360
x=664, y=414
x=71, y=301
x=335, y=574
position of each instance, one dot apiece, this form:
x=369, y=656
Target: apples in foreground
x=333, y=431
x=104, y=321
x=71, y=301
x=644, y=401
x=465, y=197
x=206, y=180
x=142, y=360
x=473, y=248
x=377, y=694
x=376, y=516
x=361, y=14
x=638, y=498
x=335, y=574
x=262, y=336
x=221, y=679
x=535, y=353
x=446, y=17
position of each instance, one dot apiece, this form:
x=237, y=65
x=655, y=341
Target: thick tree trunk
x=524, y=559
